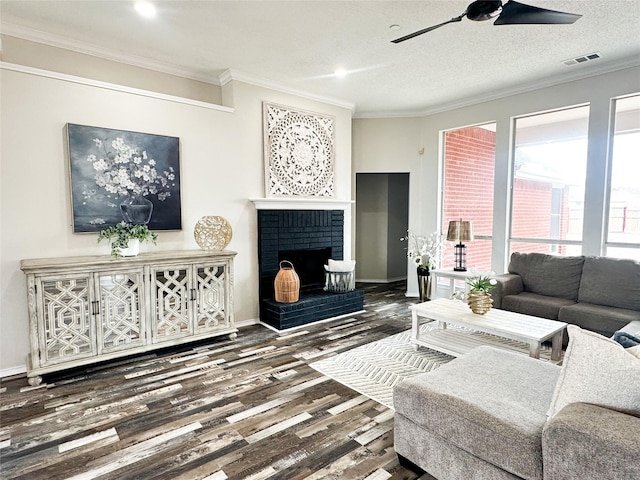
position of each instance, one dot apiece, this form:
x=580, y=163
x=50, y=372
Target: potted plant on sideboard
x=125, y=238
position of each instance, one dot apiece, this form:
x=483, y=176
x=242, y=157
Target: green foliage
x=484, y=283
x=119, y=235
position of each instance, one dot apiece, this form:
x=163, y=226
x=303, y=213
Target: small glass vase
x=136, y=210
x=479, y=301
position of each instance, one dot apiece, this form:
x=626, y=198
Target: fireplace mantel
x=278, y=203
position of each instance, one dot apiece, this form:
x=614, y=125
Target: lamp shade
x=460, y=231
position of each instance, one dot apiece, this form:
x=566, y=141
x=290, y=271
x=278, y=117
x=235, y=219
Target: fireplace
x=309, y=265
x=306, y=238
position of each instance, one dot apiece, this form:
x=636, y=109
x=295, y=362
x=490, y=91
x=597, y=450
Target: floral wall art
x=126, y=176
x=299, y=152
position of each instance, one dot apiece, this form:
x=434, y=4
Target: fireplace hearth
x=306, y=238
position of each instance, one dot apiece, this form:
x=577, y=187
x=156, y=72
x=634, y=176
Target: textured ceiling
x=299, y=44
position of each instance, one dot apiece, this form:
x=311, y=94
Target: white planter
x=133, y=248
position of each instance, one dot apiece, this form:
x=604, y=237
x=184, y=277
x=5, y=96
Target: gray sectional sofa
x=597, y=293
x=498, y=415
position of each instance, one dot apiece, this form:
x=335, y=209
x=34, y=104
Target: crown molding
x=594, y=71
x=141, y=62
x=59, y=41
x=232, y=74
x=111, y=86
x=228, y=75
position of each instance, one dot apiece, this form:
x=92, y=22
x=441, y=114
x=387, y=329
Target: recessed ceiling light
x=146, y=9
x=394, y=27
x=340, y=72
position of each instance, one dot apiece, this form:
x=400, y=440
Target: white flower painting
x=115, y=174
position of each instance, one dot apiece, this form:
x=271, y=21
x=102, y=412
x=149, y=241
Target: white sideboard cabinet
x=89, y=309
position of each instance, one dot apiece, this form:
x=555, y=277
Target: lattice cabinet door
x=171, y=296
x=121, y=309
x=65, y=325
x=212, y=298
x=88, y=309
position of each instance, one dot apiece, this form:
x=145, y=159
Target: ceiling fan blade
x=514, y=13
x=428, y=29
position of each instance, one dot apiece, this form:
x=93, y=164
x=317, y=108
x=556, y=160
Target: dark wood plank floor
x=245, y=409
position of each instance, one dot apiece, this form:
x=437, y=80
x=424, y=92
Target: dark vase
x=424, y=283
x=136, y=210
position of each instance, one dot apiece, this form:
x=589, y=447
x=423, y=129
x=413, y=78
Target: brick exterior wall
x=468, y=186
x=532, y=215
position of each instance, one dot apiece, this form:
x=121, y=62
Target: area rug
x=373, y=369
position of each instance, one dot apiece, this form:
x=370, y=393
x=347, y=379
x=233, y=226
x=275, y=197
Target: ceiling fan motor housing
x=484, y=10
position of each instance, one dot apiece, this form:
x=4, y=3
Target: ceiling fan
x=509, y=13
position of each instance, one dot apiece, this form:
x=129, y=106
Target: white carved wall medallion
x=299, y=152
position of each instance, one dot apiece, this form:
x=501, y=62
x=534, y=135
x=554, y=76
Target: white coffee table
x=501, y=323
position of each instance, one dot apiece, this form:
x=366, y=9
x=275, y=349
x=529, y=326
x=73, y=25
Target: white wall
x=221, y=166
x=392, y=145
x=38, y=55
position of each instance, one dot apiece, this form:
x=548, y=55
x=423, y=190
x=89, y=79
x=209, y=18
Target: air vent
x=582, y=59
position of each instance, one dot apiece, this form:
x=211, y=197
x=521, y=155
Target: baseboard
x=380, y=280
x=22, y=369
x=10, y=372
x=248, y=322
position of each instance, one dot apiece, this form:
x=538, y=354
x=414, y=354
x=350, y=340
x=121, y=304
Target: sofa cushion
x=434, y=454
x=611, y=281
x=589, y=442
x=491, y=403
x=598, y=371
x=601, y=319
x=550, y=275
x=534, y=304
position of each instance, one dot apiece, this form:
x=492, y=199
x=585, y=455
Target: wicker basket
x=339, y=282
x=287, y=283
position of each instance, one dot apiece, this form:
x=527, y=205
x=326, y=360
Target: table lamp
x=460, y=231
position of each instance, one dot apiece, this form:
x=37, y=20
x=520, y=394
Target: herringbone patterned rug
x=373, y=369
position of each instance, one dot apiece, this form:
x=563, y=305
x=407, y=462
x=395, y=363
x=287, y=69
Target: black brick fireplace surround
x=312, y=235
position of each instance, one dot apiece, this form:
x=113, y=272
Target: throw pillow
x=598, y=371
x=625, y=339
x=341, y=265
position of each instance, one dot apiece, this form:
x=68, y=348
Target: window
x=623, y=223
x=549, y=172
x=469, y=165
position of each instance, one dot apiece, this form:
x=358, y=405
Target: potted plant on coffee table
x=479, y=298
x=125, y=238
